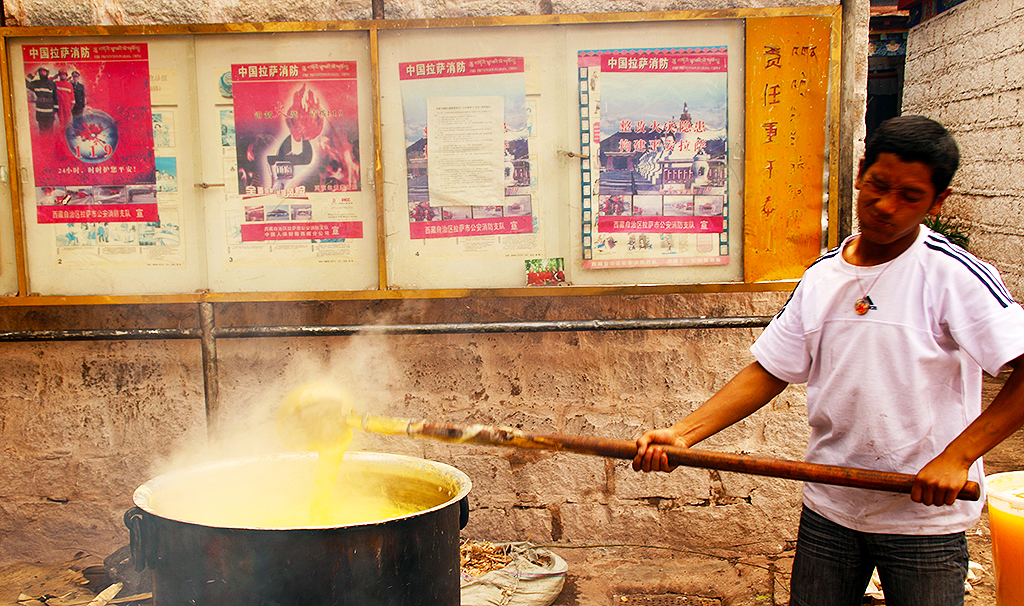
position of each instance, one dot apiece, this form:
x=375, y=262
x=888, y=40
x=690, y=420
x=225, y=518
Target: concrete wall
x=82, y=424
x=965, y=68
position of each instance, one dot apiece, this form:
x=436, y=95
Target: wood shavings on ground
x=61, y=584
x=35, y=584
x=479, y=558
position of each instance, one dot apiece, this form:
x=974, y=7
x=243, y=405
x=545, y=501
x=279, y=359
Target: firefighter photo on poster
x=91, y=129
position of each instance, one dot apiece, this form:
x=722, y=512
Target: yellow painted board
x=786, y=122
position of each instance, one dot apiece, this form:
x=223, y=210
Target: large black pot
x=200, y=559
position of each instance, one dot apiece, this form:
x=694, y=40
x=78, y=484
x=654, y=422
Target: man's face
x=894, y=197
x=43, y=72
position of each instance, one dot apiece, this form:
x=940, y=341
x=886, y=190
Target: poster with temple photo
x=655, y=186
x=91, y=128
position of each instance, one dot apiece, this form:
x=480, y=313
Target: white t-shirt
x=890, y=389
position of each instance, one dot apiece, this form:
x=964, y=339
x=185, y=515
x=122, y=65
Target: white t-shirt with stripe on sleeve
x=890, y=389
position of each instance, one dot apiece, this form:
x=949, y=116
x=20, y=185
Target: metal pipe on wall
x=492, y=327
x=113, y=334
x=208, y=330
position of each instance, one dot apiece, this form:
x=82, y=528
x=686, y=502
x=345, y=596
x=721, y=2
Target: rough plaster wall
x=965, y=68
x=80, y=423
x=83, y=424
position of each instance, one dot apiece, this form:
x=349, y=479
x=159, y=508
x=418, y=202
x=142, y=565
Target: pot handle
x=135, y=520
x=463, y=512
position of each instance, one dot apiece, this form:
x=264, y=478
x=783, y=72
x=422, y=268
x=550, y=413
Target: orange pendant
x=862, y=306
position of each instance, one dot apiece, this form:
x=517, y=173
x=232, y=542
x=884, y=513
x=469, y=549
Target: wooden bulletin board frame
x=789, y=174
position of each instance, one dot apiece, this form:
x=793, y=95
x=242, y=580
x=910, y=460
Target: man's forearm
x=748, y=391
x=1004, y=415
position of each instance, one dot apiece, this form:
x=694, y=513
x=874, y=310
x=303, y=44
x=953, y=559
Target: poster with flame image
x=296, y=127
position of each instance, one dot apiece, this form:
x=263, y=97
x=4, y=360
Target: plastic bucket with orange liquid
x=1006, y=521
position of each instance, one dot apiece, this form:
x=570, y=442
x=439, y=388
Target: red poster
x=91, y=128
x=297, y=139
x=296, y=127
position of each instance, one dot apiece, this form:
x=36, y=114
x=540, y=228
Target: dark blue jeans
x=833, y=565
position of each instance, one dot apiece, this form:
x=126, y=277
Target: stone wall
x=965, y=68
x=82, y=424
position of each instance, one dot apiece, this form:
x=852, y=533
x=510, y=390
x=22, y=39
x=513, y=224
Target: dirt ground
x=626, y=575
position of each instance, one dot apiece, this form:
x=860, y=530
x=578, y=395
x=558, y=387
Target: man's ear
x=860, y=173
x=936, y=206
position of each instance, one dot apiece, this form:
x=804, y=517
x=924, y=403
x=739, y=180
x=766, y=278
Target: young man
x=890, y=331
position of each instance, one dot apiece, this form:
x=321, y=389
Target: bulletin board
x=289, y=216
x=510, y=106
x=554, y=145
x=505, y=156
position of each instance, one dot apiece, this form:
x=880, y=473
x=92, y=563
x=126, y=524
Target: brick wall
x=965, y=68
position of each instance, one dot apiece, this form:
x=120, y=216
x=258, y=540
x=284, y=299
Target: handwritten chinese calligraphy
x=785, y=162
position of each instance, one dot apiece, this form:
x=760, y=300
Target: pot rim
x=143, y=495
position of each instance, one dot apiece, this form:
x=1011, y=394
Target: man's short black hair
x=916, y=139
